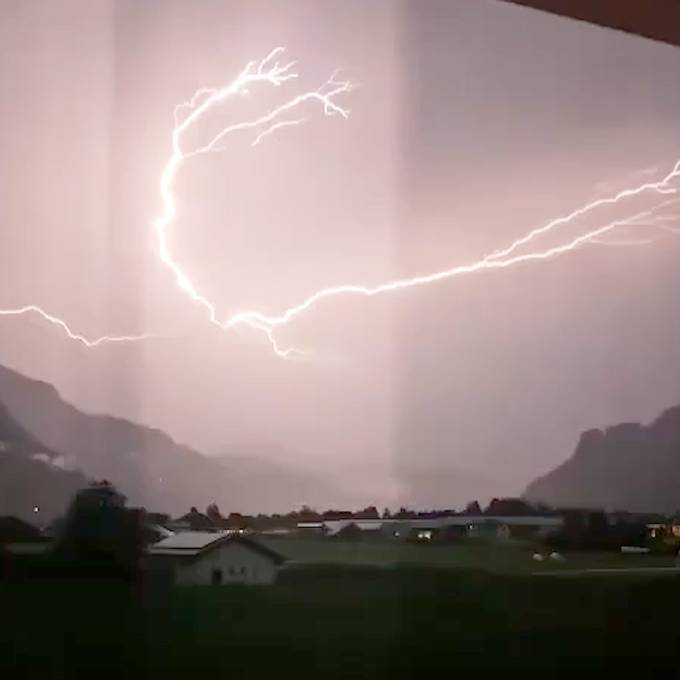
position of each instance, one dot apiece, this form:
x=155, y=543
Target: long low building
x=502, y=526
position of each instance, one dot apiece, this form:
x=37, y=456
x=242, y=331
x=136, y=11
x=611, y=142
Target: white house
x=206, y=558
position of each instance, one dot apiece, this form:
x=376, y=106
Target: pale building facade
x=199, y=558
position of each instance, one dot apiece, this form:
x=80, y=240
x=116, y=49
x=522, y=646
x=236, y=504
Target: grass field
x=345, y=622
x=493, y=557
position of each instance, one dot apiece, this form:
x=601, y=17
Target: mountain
x=625, y=467
x=33, y=486
x=150, y=468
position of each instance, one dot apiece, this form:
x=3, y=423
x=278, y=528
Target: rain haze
x=471, y=123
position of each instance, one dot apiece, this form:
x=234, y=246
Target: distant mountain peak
x=33, y=486
x=628, y=466
x=146, y=464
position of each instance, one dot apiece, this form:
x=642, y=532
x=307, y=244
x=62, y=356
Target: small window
x=216, y=577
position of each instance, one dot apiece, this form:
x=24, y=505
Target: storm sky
x=472, y=123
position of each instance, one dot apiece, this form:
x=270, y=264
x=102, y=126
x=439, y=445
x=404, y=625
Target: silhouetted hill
x=16, y=438
x=625, y=467
x=30, y=476
x=145, y=463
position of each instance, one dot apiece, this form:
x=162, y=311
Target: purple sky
x=474, y=122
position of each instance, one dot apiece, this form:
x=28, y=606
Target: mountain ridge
x=33, y=485
x=627, y=466
x=146, y=464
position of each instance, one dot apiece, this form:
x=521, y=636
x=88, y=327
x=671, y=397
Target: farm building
x=444, y=528
x=15, y=530
x=207, y=558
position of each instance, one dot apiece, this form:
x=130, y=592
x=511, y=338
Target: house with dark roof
x=15, y=530
x=193, y=521
x=207, y=558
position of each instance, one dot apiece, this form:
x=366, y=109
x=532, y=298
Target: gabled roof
x=190, y=540
x=13, y=529
x=194, y=543
x=336, y=526
x=197, y=521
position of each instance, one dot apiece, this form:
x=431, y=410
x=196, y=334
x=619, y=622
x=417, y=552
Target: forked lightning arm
x=56, y=321
x=270, y=72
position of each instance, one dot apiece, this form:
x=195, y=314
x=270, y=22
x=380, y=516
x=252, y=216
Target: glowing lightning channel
x=661, y=187
x=269, y=123
x=268, y=323
x=266, y=71
x=269, y=71
x=33, y=309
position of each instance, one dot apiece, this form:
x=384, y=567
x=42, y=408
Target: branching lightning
x=56, y=321
x=269, y=71
x=263, y=321
x=271, y=122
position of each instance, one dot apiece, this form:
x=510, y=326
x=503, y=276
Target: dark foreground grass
x=332, y=622
x=494, y=556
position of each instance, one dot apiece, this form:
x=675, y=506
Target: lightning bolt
x=661, y=187
x=56, y=321
x=269, y=71
x=265, y=322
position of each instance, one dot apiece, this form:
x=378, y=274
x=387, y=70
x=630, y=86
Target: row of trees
x=213, y=517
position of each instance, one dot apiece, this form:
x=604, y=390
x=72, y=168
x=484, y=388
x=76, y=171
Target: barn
x=207, y=558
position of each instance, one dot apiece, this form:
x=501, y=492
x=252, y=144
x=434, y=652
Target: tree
x=308, y=514
x=386, y=513
x=370, y=512
x=213, y=512
x=509, y=506
x=473, y=508
x=99, y=534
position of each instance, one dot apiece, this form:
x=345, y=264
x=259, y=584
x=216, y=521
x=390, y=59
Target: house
x=153, y=533
x=315, y=528
x=207, y=558
x=344, y=527
x=15, y=530
x=192, y=521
